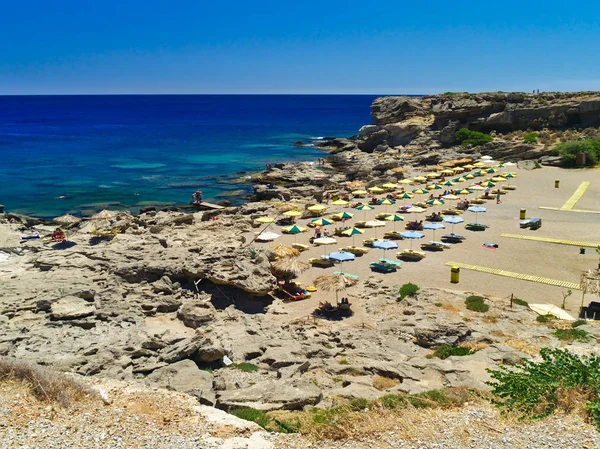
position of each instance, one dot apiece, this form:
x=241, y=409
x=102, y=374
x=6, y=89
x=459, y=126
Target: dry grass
x=44, y=384
x=450, y=308
x=474, y=345
x=384, y=383
x=490, y=319
x=523, y=346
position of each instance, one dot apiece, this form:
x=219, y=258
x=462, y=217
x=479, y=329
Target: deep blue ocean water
x=130, y=151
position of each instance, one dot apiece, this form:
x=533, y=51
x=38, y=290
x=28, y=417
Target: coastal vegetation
x=560, y=381
x=530, y=138
x=444, y=351
x=477, y=304
x=568, y=151
x=408, y=289
x=469, y=138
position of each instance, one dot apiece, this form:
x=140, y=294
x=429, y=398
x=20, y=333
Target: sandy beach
x=535, y=188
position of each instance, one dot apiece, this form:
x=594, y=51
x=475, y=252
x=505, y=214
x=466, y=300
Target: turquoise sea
x=79, y=154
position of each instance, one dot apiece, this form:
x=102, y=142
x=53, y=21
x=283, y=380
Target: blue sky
x=305, y=46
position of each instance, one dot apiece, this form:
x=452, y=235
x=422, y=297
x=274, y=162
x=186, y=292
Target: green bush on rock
x=568, y=151
x=468, y=138
x=408, y=289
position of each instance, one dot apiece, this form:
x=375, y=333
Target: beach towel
x=490, y=245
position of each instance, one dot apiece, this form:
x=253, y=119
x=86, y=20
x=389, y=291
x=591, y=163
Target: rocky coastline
x=176, y=294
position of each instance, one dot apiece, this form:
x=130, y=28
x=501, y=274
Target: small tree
x=566, y=294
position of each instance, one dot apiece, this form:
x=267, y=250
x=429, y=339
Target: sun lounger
x=321, y=262
x=432, y=246
x=453, y=238
x=353, y=276
x=409, y=254
x=381, y=268
x=369, y=242
x=452, y=212
x=391, y=263
x=393, y=235
x=300, y=247
x=476, y=226
x=356, y=250
x=535, y=223
x=490, y=245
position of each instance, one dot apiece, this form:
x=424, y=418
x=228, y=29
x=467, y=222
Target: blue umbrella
x=341, y=256
x=453, y=220
x=433, y=226
x=476, y=209
x=412, y=235
x=385, y=245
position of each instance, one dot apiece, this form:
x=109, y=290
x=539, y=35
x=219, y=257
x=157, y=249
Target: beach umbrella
x=325, y=241
x=434, y=187
x=411, y=235
x=267, y=236
x=104, y=215
x=335, y=282
x=447, y=172
x=386, y=202
x=469, y=166
x=292, y=213
x=365, y=208
x=67, y=219
x=435, y=203
x=321, y=222
x=499, y=179
x=486, y=158
x=464, y=192
x=509, y=164
x=420, y=178
x=394, y=218
x=432, y=175
x=264, y=220
x=341, y=257
x=405, y=196
x=492, y=170
x=477, y=210
x=317, y=208
x=390, y=185
x=469, y=176
x=488, y=184
x=478, y=173
x=476, y=187
x=345, y=215
x=340, y=203
x=416, y=210
x=459, y=179
x=294, y=230
x=284, y=251
x=385, y=245
x=458, y=170
x=448, y=183
x=478, y=165
x=405, y=181
x=450, y=197
x=500, y=166
x=375, y=189
x=359, y=192
x=353, y=232
x=433, y=227
x=453, y=220
x=289, y=266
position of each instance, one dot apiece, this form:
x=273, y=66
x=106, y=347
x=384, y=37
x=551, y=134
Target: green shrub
x=251, y=414
x=285, y=426
x=427, y=399
x=408, y=290
x=530, y=138
x=477, y=304
x=344, y=362
x=359, y=404
x=536, y=389
x=578, y=323
x=444, y=351
x=245, y=366
x=572, y=335
x=544, y=318
x=520, y=302
x=467, y=138
x=568, y=151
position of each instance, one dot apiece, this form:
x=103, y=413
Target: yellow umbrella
x=265, y=220
x=447, y=172
x=479, y=165
x=469, y=176
x=292, y=213
x=389, y=185
x=405, y=181
x=359, y=192
x=499, y=179
x=375, y=189
x=317, y=208
x=420, y=178
x=340, y=203
x=469, y=166
x=458, y=170
x=432, y=175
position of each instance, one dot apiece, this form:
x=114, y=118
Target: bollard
x=523, y=214
x=556, y=183
x=454, y=275
x=582, y=250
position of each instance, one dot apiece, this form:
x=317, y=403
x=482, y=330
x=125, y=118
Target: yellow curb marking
x=571, y=210
x=510, y=274
x=549, y=240
x=576, y=196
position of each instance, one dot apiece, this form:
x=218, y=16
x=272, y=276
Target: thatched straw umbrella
x=589, y=283
x=103, y=215
x=290, y=266
x=335, y=282
x=284, y=251
x=67, y=219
